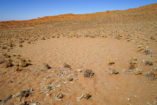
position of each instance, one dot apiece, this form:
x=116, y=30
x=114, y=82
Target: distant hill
x=148, y=12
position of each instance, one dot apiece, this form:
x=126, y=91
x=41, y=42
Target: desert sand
x=106, y=58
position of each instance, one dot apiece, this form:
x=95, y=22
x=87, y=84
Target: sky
x=29, y=9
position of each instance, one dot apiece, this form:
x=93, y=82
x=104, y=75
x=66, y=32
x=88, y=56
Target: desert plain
x=104, y=58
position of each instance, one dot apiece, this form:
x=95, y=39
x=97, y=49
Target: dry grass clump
x=4, y=47
x=88, y=73
x=87, y=96
x=59, y=96
x=15, y=61
x=24, y=63
x=2, y=60
x=140, y=48
x=148, y=62
x=133, y=63
x=137, y=71
x=6, y=55
x=70, y=78
x=9, y=63
x=118, y=37
x=147, y=51
x=111, y=61
x=112, y=71
x=67, y=65
x=150, y=75
x=84, y=96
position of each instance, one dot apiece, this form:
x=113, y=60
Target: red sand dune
x=152, y=9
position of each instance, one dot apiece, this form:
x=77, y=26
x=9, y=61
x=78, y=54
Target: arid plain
x=105, y=58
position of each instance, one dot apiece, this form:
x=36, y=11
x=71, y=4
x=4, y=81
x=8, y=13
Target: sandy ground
x=99, y=59
x=81, y=53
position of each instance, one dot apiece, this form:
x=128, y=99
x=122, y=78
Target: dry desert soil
x=105, y=58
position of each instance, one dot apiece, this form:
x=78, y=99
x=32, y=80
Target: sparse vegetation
x=102, y=41
x=67, y=65
x=88, y=73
